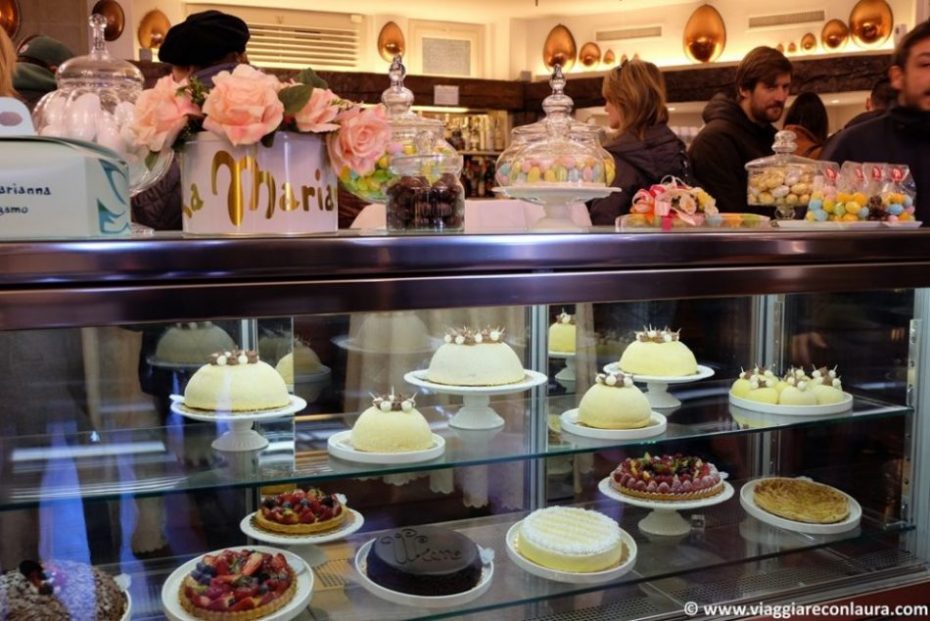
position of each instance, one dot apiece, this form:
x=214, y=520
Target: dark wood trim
x=821, y=75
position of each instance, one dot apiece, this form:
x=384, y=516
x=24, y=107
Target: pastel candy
x=820, y=215
x=896, y=210
x=864, y=213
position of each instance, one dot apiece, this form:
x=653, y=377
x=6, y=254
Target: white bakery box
x=55, y=187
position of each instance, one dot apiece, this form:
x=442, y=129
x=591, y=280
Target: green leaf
x=309, y=77
x=151, y=159
x=295, y=98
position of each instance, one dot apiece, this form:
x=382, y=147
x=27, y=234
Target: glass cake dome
x=95, y=102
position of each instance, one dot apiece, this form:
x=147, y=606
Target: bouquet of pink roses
x=247, y=106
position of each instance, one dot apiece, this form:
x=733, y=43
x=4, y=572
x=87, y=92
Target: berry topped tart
x=300, y=512
x=667, y=478
x=238, y=585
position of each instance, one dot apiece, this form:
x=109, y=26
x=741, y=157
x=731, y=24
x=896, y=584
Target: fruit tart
x=667, y=478
x=238, y=585
x=300, y=512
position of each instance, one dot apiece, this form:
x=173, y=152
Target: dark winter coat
x=640, y=163
x=900, y=137
x=721, y=150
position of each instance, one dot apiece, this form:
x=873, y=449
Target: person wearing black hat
x=205, y=44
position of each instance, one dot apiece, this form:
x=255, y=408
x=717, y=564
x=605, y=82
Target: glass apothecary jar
x=784, y=181
x=426, y=194
x=95, y=102
x=409, y=132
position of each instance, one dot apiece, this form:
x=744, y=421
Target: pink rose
x=161, y=114
x=362, y=139
x=319, y=113
x=243, y=105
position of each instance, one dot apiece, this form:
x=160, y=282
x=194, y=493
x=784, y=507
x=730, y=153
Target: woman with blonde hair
x=644, y=148
x=7, y=65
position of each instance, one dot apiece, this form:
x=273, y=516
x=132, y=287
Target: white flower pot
x=252, y=190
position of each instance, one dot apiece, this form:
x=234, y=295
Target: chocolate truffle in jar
x=427, y=194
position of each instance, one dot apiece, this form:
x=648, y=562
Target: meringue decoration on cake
x=796, y=393
x=475, y=358
x=570, y=539
x=562, y=334
x=236, y=381
x=667, y=478
x=658, y=353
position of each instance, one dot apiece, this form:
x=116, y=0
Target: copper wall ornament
x=391, y=41
x=116, y=19
x=834, y=34
x=560, y=48
x=808, y=42
x=152, y=29
x=10, y=17
x=590, y=54
x=705, y=35
x=871, y=23
x=609, y=58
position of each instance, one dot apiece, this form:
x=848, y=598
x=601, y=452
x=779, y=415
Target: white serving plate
x=910, y=224
x=851, y=522
x=350, y=344
x=703, y=372
x=670, y=505
x=594, y=577
x=339, y=445
x=421, y=601
x=171, y=603
x=794, y=410
x=295, y=405
x=530, y=380
x=569, y=422
x=354, y=521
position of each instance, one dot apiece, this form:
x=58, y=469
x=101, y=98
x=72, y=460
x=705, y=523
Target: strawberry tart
x=667, y=478
x=300, y=512
x=238, y=585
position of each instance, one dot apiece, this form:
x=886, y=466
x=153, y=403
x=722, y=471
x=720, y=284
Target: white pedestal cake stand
x=566, y=375
x=306, y=547
x=556, y=200
x=664, y=519
x=241, y=436
x=657, y=386
x=476, y=411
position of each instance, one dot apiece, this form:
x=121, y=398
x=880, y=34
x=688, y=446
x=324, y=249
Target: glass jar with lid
x=408, y=130
x=563, y=155
x=426, y=193
x=535, y=132
x=784, y=181
x=95, y=102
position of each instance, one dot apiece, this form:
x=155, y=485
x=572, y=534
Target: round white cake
x=475, y=358
x=658, y=353
x=614, y=402
x=562, y=334
x=391, y=425
x=399, y=332
x=570, y=539
x=236, y=381
x=300, y=362
x=192, y=343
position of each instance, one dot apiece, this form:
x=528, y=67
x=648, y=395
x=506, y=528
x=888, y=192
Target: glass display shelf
x=178, y=458
x=730, y=539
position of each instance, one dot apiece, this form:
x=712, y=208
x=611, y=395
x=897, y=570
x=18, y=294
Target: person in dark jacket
x=881, y=98
x=644, y=148
x=902, y=136
x=201, y=46
x=740, y=130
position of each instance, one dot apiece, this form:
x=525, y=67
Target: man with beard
x=739, y=130
x=902, y=136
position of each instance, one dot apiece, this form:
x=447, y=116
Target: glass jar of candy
x=784, y=181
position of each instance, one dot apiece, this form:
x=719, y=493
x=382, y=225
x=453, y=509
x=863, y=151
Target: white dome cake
x=740, y=388
x=570, y=539
x=236, y=381
x=658, y=353
x=475, y=358
x=301, y=362
x=192, y=343
x=827, y=386
x=391, y=425
x=401, y=332
x=762, y=387
x=614, y=402
x=562, y=334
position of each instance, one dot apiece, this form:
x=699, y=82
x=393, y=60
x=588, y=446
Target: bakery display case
x=486, y=426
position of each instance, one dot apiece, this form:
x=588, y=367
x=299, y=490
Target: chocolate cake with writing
x=425, y=560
